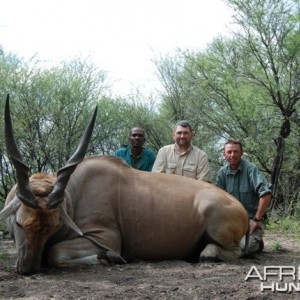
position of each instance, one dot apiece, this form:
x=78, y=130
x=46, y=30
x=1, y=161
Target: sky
x=121, y=37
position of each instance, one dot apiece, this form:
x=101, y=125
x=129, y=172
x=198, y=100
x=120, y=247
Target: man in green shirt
x=135, y=154
x=243, y=180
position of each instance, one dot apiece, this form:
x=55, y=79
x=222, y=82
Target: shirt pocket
x=171, y=168
x=245, y=189
x=189, y=171
x=246, y=193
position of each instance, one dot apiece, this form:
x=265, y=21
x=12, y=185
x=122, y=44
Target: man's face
x=233, y=154
x=137, y=138
x=182, y=136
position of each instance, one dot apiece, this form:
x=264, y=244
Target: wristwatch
x=256, y=220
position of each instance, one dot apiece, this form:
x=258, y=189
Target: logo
x=282, y=279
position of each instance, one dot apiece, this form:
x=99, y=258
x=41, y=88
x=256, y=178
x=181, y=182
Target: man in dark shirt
x=135, y=154
x=243, y=180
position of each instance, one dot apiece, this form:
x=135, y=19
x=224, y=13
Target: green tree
x=270, y=35
x=139, y=111
x=50, y=110
x=246, y=87
x=12, y=71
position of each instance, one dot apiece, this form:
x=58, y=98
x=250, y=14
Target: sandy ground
x=155, y=280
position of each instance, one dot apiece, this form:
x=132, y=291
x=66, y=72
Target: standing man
x=182, y=158
x=244, y=181
x=135, y=154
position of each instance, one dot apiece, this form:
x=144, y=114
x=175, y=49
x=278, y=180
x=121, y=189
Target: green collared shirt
x=247, y=184
x=144, y=162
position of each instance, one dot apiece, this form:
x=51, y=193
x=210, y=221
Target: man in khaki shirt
x=182, y=158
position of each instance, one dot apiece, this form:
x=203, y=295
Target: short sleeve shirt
x=145, y=161
x=247, y=184
x=193, y=163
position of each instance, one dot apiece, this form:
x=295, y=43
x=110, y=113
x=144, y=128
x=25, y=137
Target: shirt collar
x=187, y=151
x=139, y=156
x=230, y=171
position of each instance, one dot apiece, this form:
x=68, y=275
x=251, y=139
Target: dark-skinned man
x=136, y=155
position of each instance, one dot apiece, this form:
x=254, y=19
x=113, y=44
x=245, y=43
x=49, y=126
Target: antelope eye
x=18, y=224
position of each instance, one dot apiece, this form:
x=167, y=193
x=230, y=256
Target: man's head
x=183, y=134
x=233, y=151
x=137, y=137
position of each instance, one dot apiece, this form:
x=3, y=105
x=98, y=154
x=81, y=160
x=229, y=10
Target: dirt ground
x=153, y=280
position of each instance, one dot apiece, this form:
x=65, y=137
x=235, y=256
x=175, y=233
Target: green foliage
x=276, y=246
x=246, y=87
x=2, y=224
x=285, y=224
x=50, y=108
x=4, y=255
x=144, y=113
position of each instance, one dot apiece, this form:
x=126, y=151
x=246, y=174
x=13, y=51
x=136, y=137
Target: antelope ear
x=68, y=221
x=10, y=209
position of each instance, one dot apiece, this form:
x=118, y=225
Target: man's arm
x=264, y=189
x=160, y=162
x=151, y=157
x=220, y=180
x=203, y=168
x=263, y=205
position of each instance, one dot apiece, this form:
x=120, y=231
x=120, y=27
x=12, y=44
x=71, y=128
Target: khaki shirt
x=193, y=163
